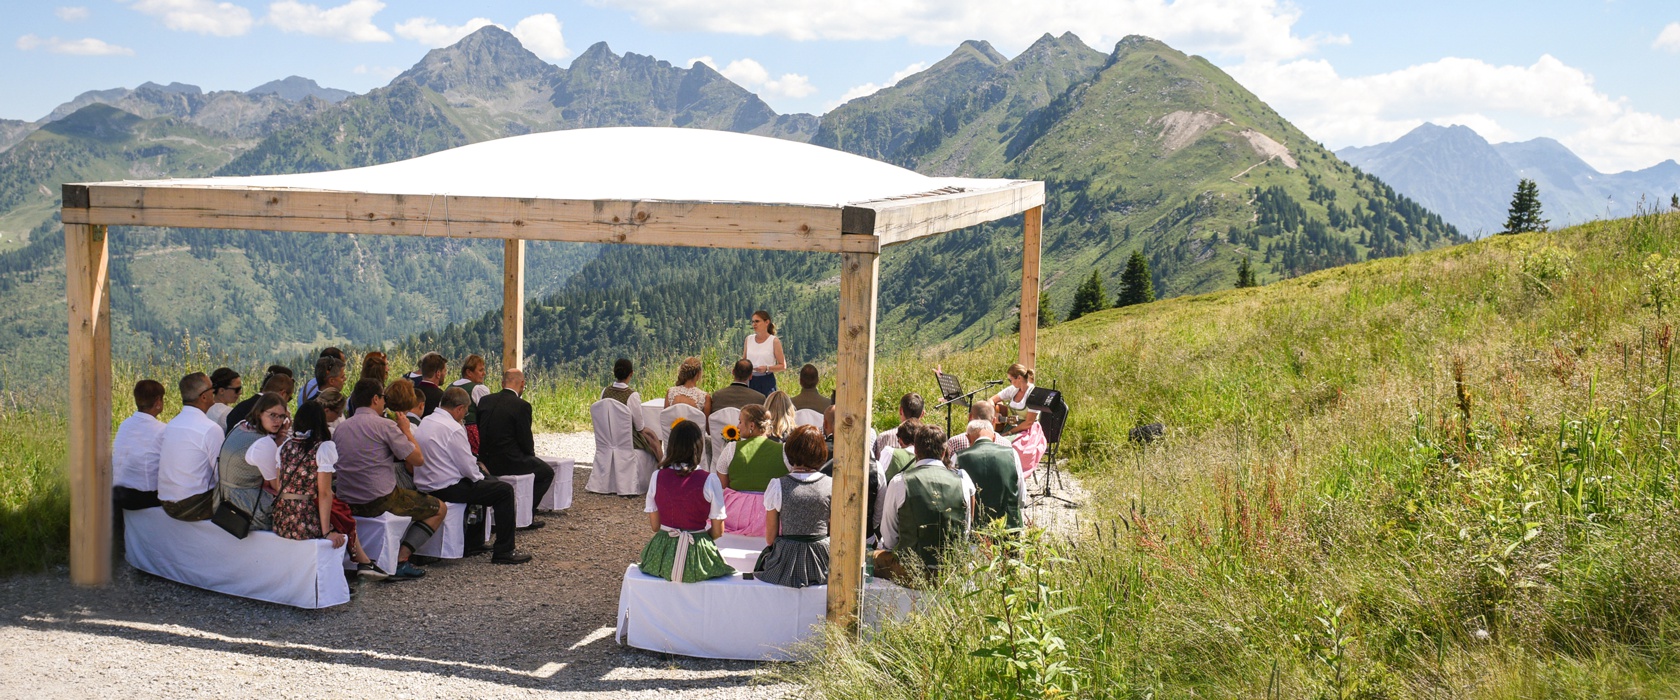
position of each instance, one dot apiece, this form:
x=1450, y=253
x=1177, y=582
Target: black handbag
x=234, y=519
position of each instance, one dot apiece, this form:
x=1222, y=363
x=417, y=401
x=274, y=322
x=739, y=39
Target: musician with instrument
x=1018, y=422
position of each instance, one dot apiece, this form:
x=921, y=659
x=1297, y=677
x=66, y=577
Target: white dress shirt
x=265, y=456
x=449, y=457
x=219, y=412
x=893, y=498
x=134, y=454
x=187, y=458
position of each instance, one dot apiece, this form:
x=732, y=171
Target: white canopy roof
x=627, y=163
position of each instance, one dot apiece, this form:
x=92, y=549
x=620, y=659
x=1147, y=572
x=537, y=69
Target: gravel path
x=469, y=629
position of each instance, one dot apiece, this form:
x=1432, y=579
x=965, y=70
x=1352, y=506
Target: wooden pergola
x=642, y=186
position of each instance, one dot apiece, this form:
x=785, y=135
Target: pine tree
x=1135, y=285
x=1525, y=209
x=1046, y=314
x=1245, y=274
x=1089, y=298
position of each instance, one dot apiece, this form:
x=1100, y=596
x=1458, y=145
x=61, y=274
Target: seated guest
x=227, y=387
x=472, y=382
x=642, y=435
x=1027, y=437
x=687, y=389
x=909, y=406
x=979, y=410
x=329, y=374
x=368, y=443
x=273, y=383
x=306, y=508
x=746, y=468
x=506, y=445
x=402, y=401
x=796, y=516
x=685, y=509
x=317, y=382
x=808, y=398
x=782, y=421
x=899, y=453
x=430, y=384
x=373, y=367
x=187, y=456
x=996, y=472
x=738, y=394
x=452, y=474
x=332, y=403
x=240, y=481
x=925, y=512
x=134, y=453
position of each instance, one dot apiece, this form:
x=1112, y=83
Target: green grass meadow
x=1452, y=474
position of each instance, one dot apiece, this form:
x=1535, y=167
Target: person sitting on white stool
x=450, y=473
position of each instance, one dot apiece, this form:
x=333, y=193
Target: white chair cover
x=669, y=416
x=263, y=566
x=450, y=540
x=715, y=424
x=650, y=413
x=559, y=496
x=382, y=536
x=620, y=468
x=806, y=416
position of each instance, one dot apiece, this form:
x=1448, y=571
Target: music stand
x=1052, y=417
x=951, y=394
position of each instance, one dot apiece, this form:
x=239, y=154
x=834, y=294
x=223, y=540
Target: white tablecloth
x=263, y=566
x=732, y=618
x=559, y=496
x=381, y=538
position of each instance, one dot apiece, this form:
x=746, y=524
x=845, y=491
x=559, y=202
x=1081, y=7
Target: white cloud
x=72, y=13
x=1669, y=39
x=200, y=16
x=1548, y=98
x=541, y=34
x=752, y=75
x=73, y=47
x=702, y=59
x=431, y=33
x=1251, y=29
x=867, y=89
x=351, y=22
x=380, y=71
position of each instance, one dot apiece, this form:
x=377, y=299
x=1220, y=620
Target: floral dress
x=296, y=515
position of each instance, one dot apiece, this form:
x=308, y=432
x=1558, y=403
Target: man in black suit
x=505, y=443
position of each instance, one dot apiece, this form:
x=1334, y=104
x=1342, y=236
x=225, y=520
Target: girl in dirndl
x=796, y=515
x=685, y=509
x=307, y=508
x=1028, y=437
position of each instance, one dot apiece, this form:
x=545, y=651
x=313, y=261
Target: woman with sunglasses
x=227, y=387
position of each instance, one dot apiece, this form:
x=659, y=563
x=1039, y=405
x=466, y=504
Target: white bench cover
x=559, y=496
x=381, y=538
x=263, y=566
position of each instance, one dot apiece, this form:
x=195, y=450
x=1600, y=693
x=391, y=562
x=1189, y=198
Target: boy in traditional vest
x=925, y=511
x=473, y=372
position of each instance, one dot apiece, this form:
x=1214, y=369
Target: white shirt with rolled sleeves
x=893, y=498
x=134, y=454
x=187, y=458
x=449, y=457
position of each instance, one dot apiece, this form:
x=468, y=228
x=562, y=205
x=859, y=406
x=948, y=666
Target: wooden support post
x=513, y=304
x=86, y=285
x=854, y=392
x=1031, y=223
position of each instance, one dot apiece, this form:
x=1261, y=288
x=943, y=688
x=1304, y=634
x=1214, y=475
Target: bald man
x=505, y=444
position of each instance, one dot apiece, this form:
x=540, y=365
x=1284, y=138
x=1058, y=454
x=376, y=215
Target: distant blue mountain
x=1469, y=182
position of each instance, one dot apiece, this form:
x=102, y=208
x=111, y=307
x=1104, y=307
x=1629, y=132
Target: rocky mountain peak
x=485, y=62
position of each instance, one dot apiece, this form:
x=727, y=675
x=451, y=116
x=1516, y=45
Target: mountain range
x=1469, y=182
x=1143, y=149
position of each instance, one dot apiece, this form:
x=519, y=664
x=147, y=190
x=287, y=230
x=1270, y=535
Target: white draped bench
x=263, y=566
x=381, y=538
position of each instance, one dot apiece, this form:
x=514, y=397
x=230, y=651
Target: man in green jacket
x=996, y=471
x=926, y=511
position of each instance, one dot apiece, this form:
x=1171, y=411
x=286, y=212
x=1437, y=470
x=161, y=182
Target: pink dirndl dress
x=1030, y=446
x=743, y=512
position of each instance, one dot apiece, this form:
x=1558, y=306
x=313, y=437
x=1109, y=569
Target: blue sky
x=1594, y=74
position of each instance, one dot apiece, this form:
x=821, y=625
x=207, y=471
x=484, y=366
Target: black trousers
x=527, y=465
x=487, y=492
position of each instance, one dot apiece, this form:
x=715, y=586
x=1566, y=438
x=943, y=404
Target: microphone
x=996, y=382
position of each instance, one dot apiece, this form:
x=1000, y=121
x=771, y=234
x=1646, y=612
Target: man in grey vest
x=925, y=512
x=996, y=472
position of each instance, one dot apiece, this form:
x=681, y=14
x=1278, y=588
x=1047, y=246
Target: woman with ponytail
x=764, y=350
x=685, y=510
x=1026, y=437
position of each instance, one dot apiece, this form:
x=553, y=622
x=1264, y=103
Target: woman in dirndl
x=685, y=510
x=796, y=515
x=1027, y=437
x=307, y=508
x=745, y=469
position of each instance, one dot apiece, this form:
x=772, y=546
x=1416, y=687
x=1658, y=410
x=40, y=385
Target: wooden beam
x=513, y=304
x=899, y=220
x=1030, y=250
x=854, y=390
x=87, y=292
x=692, y=224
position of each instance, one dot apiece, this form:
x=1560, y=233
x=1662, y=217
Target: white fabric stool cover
x=450, y=541
x=671, y=413
x=263, y=566
x=806, y=416
x=650, y=413
x=732, y=618
x=382, y=538
x=740, y=551
x=715, y=424
x=559, y=496
x=522, y=497
x=620, y=468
